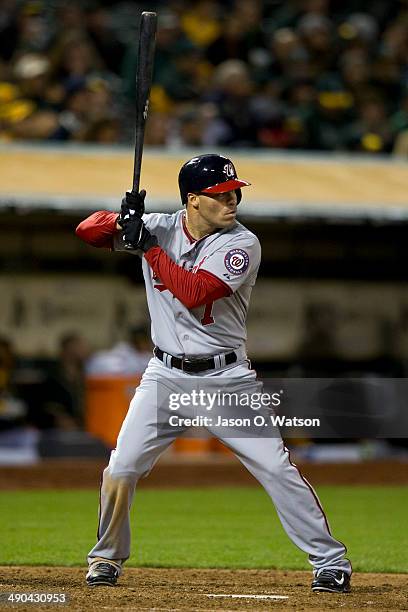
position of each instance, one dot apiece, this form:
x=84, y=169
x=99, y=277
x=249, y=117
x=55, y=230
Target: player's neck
x=197, y=226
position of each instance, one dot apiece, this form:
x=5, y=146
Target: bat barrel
x=144, y=75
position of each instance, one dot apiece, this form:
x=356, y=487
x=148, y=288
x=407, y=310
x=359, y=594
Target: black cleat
x=332, y=580
x=102, y=573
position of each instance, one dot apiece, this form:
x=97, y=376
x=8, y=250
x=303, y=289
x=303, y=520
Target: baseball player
x=199, y=266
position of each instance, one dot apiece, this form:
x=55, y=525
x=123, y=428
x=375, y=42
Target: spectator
x=8, y=31
x=231, y=92
x=201, y=23
x=286, y=50
x=230, y=44
x=296, y=121
x=33, y=32
x=399, y=120
x=12, y=408
x=318, y=344
x=186, y=75
x=196, y=126
x=370, y=133
x=158, y=129
x=355, y=70
x=74, y=59
x=316, y=32
x=70, y=22
x=241, y=36
x=63, y=390
x=30, y=109
x=102, y=35
x=127, y=358
x=102, y=131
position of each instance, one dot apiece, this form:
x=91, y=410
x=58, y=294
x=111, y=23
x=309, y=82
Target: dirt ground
x=188, y=589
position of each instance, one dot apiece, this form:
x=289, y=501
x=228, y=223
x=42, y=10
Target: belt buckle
x=191, y=362
x=185, y=361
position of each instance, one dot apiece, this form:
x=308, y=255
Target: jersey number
x=160, y=288
x=207, y=318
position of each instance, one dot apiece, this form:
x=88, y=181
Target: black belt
x=193, y=365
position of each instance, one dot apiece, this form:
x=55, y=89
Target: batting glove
x=132, y=205
x=132, y=227
x=147, y=240
x=137, y=234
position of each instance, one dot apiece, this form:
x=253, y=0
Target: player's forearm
x=98, y=229
x=191, y=289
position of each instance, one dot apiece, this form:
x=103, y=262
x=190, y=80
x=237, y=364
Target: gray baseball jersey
x=232, y=255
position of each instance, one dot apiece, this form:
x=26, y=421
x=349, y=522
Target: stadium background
x=309, y=99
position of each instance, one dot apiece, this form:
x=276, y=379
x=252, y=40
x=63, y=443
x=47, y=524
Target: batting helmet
x=211, y=173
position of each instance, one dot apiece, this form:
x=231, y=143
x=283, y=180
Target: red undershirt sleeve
x=98, y=229
x=192, y=289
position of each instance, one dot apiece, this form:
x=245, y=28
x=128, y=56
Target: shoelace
x=330, y=573
x=106, y=566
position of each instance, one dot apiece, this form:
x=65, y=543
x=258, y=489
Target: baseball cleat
x=332, y=580
x=102, y=573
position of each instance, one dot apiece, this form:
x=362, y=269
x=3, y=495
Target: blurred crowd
x=292, y=74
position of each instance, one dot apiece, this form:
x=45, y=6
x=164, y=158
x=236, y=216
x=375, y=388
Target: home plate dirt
x=188, y=589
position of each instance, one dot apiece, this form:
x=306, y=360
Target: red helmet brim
x=226, y=186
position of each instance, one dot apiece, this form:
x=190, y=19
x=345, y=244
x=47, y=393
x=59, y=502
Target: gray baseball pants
x=139, y=446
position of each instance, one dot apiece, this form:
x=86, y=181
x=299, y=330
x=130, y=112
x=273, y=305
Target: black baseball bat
x=145, y=62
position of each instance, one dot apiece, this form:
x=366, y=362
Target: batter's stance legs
x=139, y=446
x=297, y=504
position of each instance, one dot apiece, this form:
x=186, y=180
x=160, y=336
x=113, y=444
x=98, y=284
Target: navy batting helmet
x=211, y=173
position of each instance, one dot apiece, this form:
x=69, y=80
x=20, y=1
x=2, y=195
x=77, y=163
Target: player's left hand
x=132, y=205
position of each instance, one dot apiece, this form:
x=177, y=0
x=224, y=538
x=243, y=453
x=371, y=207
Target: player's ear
x=193, y=199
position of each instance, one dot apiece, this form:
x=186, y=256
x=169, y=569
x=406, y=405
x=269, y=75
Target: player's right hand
x=132, y=204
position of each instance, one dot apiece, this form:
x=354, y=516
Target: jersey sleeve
x=236, y=263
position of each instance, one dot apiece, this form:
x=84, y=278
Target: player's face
x=218, y=210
